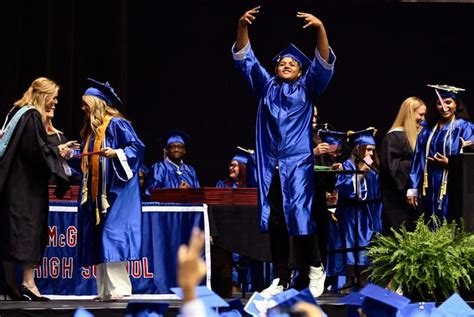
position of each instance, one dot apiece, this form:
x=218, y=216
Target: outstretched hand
x=108, y=152
x=465, y=143
x=66, y=149
x=191, y=267
x=249, y=16
x=309, y=20
x=439, y=159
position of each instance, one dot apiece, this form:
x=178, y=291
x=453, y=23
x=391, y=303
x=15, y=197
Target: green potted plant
x=429, y=263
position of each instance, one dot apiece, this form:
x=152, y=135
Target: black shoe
x=13, y=293
x=31, y=296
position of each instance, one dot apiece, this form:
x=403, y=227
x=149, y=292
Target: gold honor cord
x=444, y=181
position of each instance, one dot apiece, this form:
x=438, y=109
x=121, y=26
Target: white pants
x=112, y=280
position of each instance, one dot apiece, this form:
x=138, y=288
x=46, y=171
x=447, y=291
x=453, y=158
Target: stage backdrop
x=165, y=228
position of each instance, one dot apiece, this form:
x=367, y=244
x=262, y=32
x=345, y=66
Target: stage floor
x=67, y=307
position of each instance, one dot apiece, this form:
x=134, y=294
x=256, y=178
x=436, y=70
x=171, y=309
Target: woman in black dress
x=26, y=163
x=396, y=157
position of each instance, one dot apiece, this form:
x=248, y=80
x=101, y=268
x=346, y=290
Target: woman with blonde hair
x=26, y=163
x=109, y=225
x=396, y=158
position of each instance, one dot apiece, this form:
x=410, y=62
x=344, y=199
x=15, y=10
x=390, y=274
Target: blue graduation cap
x=241, y=157
x=362, y=137
x=353, y=301
x=446, y=91
x=453, y=306
x=332, y=137
x=175, y=136
x=295, y=53
x=259, y=304
x=104, y=92
x=421, y=309
x=209, y=298
x=146, y=309
x=288, y=305
x=381, y=302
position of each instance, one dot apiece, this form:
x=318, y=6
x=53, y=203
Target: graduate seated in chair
x=172, y=172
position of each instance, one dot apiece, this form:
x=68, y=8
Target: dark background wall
x=171, y=63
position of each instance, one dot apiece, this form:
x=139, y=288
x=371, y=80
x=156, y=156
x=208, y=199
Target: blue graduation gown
x=222, y=184
x=369, y=215
x=118, y=236
x=431, y=203
x=284, y=137
x=164, y=174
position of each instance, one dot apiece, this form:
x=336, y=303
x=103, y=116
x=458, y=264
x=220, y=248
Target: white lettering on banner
x=63, y=239
x=55, y=267
x=136, y=269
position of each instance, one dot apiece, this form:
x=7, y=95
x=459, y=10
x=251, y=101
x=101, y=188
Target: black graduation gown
x=396, y=157
x=62, y=185
x=24, y=173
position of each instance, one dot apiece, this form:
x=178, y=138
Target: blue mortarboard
x=175, y=135
x=353, y=298
x=104, y=92
x=453, y=306
x=353, y=301
x=447, y=91
x=288, y=305
x=146, y=309
x=209, y=298
x=259, y=304
x=332, y=137
x=362, y=137
x=241, y=157
x=293, y=52
x=381, y=302
x=418, y=310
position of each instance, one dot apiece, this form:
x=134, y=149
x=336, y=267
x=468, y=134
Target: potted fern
x=426, y=264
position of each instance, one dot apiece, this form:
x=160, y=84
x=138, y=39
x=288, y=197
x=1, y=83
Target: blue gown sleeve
x=154, y=178
x=255, y=75
x=345, y=186
x=221, y=184
x=418, y=164
x=319, y=74
x=127, y=140
x=467, y=131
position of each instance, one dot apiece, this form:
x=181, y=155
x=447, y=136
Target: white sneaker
x=273, y=289
x=317, y=276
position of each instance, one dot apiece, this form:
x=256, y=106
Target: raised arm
x=242, y=28
x=322, y=43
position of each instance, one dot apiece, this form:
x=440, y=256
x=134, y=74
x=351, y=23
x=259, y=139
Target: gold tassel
x=105, y=203
x=84, y=190
x=443, y=189
x=97, y=215
x=425, y=178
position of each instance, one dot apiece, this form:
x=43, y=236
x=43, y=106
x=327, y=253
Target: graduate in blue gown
x=110, y=203
x=284, y=142
x=329, y=155
x=172, y=172
x=362, y=187
x=447, y=130
x=241, y=171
